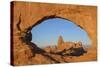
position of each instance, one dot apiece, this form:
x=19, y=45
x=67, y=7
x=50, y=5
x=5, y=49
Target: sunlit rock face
x=27, y=15
x=60, y=42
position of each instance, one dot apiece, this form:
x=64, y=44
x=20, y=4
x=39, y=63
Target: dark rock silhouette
x=75, y=50
x=27, y=37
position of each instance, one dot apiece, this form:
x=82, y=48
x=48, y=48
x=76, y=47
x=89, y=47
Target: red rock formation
x=26, y=15
x=60, y=43
x=77, y=44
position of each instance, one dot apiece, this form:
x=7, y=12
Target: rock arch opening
x=23, y=20
x=48, y=31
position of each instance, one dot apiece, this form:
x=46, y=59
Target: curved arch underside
x=83, y=16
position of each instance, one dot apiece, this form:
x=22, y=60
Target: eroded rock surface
x=26, y=15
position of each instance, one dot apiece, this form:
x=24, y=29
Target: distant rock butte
x=66, y=45
x=66, y=48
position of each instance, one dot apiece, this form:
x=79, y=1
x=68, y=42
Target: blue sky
x=47, y=32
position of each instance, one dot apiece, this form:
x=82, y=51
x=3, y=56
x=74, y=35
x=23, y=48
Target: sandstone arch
x=30, y=14
x=82, y=26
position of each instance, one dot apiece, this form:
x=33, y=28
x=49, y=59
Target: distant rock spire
x=60, y=42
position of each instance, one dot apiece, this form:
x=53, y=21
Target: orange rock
x=31, y=14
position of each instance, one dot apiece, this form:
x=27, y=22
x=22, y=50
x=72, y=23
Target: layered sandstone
x=25, y=15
